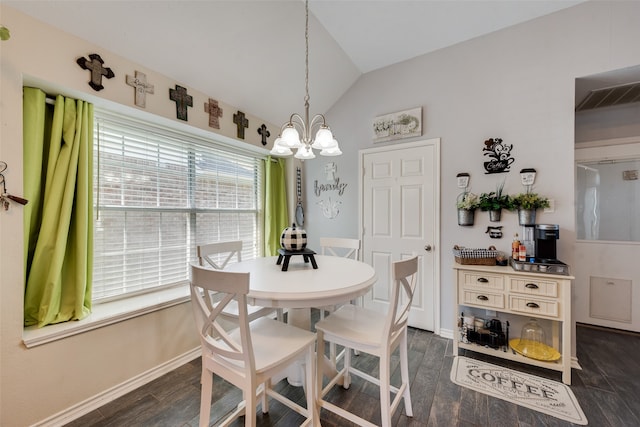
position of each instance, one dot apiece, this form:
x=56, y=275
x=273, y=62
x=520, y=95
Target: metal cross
x=241, y=123
x=214, y=111
x=264, y=133
x=139, y=82
x=179, y=95
x=97, y=70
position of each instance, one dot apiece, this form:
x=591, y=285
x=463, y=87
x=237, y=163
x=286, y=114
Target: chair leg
x=206, y=381
x=309, y=387
x=319, y=369
x=346, y=382
x=250, y=406
x=385, y=390
x=265, y=399
x=404, y=372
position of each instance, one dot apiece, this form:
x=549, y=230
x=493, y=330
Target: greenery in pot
x=468, y=201
x=528, y=201
x=495, y=200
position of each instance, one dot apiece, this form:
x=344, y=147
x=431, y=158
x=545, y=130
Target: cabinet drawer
x=479, y=298
x=533, y=286
x=541, y=307
x=481, y=280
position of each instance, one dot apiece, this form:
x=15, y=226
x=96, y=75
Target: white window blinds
x=158, y=194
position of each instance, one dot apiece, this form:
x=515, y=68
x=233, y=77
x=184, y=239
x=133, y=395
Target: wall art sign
x=403, y=124
x=500, y=154
x=330, y=208
x=97, y=70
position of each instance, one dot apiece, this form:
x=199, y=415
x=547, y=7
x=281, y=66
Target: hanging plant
x=4, y=33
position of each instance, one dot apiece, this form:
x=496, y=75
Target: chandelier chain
x=306, y=62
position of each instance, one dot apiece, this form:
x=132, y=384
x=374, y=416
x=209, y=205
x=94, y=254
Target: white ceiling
x=250, y=54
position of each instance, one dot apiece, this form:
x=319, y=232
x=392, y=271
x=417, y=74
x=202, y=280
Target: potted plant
x=526, y=204
x=467, y=204
x=494, y=202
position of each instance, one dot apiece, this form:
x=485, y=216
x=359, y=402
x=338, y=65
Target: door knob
x=427, y=248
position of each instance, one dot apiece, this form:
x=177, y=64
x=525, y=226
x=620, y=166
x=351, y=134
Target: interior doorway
x=399, y=212
x=607, y=144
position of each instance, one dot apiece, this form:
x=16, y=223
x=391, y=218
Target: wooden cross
x=214, y=111
x=241, y=123
x=139, y=82
x=264, y=133
x=179, y=95
x=97, y=70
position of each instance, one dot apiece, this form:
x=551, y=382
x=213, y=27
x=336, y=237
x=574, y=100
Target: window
x=159, y=193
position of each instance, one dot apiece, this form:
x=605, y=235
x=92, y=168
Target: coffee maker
x=545, y=242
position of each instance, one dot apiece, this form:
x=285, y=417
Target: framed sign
x=403, y=124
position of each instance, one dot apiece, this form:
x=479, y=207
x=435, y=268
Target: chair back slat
x=339, y=246
x=405, y=274
x=224, y=251
x=215, y=339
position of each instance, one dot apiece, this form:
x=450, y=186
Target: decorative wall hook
x=4, y=196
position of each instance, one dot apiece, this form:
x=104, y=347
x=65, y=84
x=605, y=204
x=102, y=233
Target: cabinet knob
x=531, y=286
x=532, y=305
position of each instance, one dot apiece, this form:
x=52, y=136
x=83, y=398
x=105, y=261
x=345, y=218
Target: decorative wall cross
x=97, y=70
x=264, y=133
x=179, y=95
x=241, y=123
x=139, y=82
x=214, y=111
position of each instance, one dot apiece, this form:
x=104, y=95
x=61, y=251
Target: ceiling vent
x=610, y=96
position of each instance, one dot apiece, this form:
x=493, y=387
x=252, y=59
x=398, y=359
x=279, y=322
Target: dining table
x=336, y=280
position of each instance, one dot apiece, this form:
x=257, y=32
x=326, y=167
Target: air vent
x=610, y=96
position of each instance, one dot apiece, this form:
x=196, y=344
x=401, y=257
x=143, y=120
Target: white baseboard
x=446, y=333
x=78, y=410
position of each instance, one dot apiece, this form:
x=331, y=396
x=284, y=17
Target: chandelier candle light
x=290, y=133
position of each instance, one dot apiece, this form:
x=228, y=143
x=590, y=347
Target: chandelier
x=297, y=132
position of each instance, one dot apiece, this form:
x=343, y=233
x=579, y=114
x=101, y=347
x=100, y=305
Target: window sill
x=107, y=314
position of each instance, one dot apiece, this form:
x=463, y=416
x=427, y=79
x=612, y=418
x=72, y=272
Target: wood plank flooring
x=607, y=388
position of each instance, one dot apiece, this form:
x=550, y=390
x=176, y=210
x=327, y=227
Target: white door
x=400, y=201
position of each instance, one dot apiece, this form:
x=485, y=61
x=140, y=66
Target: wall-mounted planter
x=526, y=216
x=495, y=215
x=466, y=217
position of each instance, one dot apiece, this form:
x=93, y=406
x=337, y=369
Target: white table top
x=337, y=280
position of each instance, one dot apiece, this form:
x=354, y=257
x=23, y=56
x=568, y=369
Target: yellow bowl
x=534, y=350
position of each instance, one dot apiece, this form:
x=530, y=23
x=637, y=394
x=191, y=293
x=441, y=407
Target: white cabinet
x=516, y=293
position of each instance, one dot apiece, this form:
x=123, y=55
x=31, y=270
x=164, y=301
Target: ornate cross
x=264, y=133
x=241, y=123
x=139, y=82
x=214, y=111
x=179, y=95
x=97, y=70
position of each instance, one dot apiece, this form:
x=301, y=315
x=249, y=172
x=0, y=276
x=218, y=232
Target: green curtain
x=276, y=213
x=58, y=176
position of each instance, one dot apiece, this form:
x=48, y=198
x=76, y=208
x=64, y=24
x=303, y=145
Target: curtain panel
x=58, y=176
x=276, y=216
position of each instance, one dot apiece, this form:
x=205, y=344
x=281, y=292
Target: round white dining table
x=336, y=280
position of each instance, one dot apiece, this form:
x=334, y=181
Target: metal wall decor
x=500, y=154
x=264, y=134
x=5, y=197
x=214, y=111
x=97, y=70
x=241, y=123
x=139, y=82
x=330, y=208
x=182, y=100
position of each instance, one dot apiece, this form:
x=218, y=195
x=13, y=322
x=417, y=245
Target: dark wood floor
x=607, y=388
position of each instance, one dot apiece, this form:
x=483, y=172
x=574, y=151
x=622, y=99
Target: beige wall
x=38, y=383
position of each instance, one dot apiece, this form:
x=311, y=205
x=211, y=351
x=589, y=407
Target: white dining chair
x=249, y=355
x=377, y=334
x=346, y=248
x=217, y=255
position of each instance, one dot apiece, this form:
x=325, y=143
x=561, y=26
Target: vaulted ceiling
x=251, y=54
